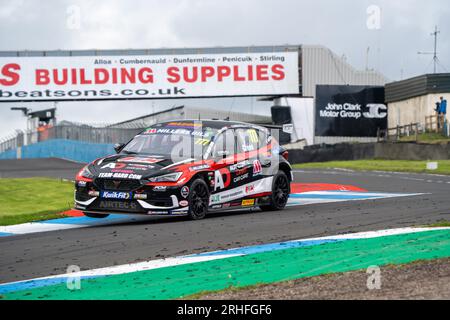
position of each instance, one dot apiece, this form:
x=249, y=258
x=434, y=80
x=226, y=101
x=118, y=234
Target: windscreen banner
x=349, y=111
x=147, y=77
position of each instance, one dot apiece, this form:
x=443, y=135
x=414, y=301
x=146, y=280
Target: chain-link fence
x=79, y=132
x=83, y=133
x=12, y=142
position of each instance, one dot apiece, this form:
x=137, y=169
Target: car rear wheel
x=280, y=193
x=198, y=200
x=95, y=215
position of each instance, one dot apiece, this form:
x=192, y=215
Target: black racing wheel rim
x=199, y=201
x=281, y=191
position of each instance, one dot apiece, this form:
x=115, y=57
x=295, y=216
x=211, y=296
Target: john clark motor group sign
x=131, y=77
x=350, y=111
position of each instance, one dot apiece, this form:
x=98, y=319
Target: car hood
x=131, y=166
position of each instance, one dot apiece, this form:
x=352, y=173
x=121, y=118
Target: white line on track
x=222, y=254
x=400, y=175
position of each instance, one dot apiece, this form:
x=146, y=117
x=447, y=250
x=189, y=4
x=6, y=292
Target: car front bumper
x=146, y=201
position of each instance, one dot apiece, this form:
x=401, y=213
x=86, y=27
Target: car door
x=223, y=154
x=249, y=143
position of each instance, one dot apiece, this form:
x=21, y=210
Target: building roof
x=417, y=86
x=189, y=112
x=159, y=51
x=148, y=115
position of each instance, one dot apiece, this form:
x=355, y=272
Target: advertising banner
x=147, y=77
x=349, y=111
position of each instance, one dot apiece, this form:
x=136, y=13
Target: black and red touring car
x=188, y=167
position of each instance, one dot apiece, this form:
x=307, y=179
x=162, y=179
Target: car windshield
x=171, y=143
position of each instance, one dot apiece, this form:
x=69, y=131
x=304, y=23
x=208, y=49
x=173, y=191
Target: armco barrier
x=333, y=152
x=10, y=154
x=59, y=148
x=361, y=151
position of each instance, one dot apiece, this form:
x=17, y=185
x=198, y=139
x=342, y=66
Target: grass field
x=429, y=138
x=32, y=199
x=381, y=165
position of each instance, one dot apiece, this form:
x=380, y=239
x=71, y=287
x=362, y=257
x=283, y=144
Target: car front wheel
x=198, y=199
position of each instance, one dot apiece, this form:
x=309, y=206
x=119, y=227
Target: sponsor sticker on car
x=183, y=203
x=257, y=167
x=114, y=165
x=199, y=167
x=240, y=178
x=184, y=191
x=157, y=212
x=215, y=198
x=115, y=195
x=107, y=204
x=239, y=165
x=119, y=175
x=249, y=189
x=248, y=202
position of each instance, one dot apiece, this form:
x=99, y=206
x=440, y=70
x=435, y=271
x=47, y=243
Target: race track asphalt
x=42, y=254
x=51, y=167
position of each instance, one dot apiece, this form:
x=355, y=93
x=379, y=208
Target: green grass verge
x=33, y=199
x=431, y=138
x=233, y=289
x=382, y=165
x=442, y=223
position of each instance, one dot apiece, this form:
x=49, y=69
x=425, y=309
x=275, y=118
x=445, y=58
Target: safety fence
x=398, y=132
x=83, y=133
x=435, y=123
x=74, y=132
x=12, y=142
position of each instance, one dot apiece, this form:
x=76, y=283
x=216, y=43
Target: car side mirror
x=118, y=147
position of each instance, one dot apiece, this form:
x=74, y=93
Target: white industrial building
x=320, y=65
x=191, y=112
x=412, y=100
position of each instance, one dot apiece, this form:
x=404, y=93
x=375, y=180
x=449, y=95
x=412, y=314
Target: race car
x=188, y=168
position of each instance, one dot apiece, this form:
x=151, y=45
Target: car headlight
x=170, y=177
x=86, y=173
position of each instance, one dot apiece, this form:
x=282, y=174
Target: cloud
x=112, y=24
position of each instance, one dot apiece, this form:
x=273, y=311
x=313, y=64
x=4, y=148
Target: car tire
x=95, y=215
x=198, y=199
x=280, y=193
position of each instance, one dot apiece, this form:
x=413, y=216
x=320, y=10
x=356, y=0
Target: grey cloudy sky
x=113, y=24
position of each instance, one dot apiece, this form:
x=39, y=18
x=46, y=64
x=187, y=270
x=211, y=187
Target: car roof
x=215, y=124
